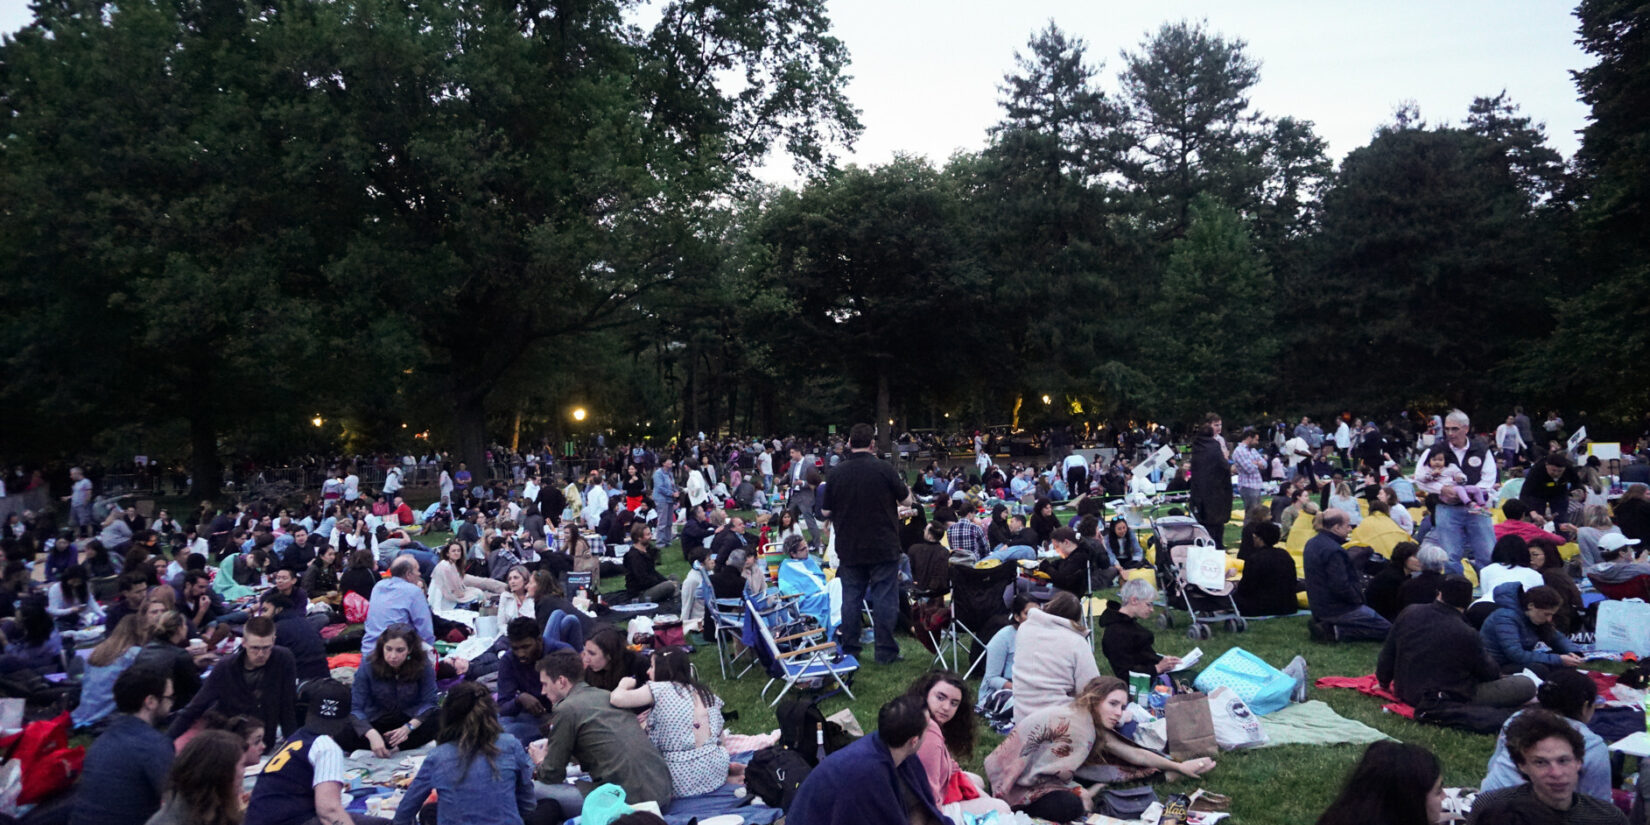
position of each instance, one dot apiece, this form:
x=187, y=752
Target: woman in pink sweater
x=950, y=735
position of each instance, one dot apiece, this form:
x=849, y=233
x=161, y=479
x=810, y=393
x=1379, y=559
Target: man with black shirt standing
x=863, y=495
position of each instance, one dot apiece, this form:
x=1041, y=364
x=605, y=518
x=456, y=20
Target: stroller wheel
x=1198, y=632
x=1164, y=620
x=1236, y=625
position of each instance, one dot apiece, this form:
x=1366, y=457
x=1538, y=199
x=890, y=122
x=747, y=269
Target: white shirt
x=1495, y=575
x=1485, y=480
x=1343, y=436
x=764, y=463
x=352, y=487
x=1292, y=449
x=1508, y=432
x=697, y=490
x=392, y=481
x=1074, y=460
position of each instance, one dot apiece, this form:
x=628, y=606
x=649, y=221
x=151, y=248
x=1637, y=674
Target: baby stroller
x=1173, y=537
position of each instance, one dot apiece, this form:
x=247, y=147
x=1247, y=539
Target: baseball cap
x=1611, y=542
x=329, y=705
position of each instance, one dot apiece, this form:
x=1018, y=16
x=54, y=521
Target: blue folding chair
x=807, y=658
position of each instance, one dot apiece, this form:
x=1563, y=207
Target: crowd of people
x=211, y=634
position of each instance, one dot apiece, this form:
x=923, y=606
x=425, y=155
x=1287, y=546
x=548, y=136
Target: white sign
x=1154, y=461
x=1575, y=440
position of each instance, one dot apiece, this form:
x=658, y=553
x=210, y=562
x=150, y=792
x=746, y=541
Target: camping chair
x=810, y=661
x=979, y=600
x=723, y=618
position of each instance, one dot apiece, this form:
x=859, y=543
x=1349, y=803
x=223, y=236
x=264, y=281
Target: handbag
x=1127, y=803
x=1191, y=729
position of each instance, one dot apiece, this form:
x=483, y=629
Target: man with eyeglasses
x=1462, y=532
x=125, y=769
x=260, y=681
x=1549, y=753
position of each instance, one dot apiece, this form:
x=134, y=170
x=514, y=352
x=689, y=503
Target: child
x=1447, y=481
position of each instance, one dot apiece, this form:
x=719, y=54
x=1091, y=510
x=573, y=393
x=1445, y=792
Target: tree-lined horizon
x=465, y=219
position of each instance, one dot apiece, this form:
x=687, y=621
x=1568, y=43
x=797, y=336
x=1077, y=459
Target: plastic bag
x=604, y=805
x=1623, y=625
x=1206, y=567
x=1236, y=726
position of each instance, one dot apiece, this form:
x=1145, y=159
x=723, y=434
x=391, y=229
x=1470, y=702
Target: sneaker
x=1297, y=669
x=1315, y=630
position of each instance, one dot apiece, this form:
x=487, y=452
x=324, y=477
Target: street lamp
x=1047, y=400
x=316, y=421
x=578, y=413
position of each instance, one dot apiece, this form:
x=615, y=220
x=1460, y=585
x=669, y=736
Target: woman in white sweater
x=1064, y=659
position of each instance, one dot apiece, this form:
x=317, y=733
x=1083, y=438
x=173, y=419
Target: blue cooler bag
x=1262, y=687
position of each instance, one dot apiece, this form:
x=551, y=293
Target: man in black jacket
x=295, y=633
x=1126, y=644
x=862, y=499
x=1070, y=572
x=1433, y=656
x=1334, y=590
x=259, y=681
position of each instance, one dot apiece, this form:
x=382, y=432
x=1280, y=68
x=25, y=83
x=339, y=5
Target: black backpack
x=804, y=730
x=775, y=774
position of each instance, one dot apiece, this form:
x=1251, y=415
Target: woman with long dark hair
x=686, y=722
x=1043, y=520
x=1393, y=784
x=1123, y=545
x=607, y=661
x=69, y=600
x=361, y=576
x=950, y=737
x=393, y=697
x=204, y=785
x=479, y=772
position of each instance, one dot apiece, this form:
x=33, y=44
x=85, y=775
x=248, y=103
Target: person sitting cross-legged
x=522, y=706
x=303, y=782
x=1549, y=753
x=480, y=773
x=1432, y=657
x=393, y=696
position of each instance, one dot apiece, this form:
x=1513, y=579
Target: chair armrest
x=815, y=632
x=814, y=649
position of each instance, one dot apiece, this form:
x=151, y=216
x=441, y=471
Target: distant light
x=316, y=421
x=1047, y=400
x=578, y=413
x=890, y=422
x=403, y=425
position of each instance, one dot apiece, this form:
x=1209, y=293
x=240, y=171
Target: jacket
x=1071, y=573
x=1211, y=481
x=1268, y=585
x=1510, y=638
x=226, y=691
x=861, y=785
x=372, y=697
x=862, y=496
x=1126, y=645
x=1333, y=587
x=309, y=651
x=1056, y=660
x=1432, y=655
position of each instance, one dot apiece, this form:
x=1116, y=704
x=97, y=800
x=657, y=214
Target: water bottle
x=1159, y=701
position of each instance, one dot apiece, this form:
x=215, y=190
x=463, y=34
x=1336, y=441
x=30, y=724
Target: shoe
x=1297, y=669
x=1314, y=630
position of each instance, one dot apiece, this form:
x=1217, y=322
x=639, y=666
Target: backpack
x=775, y=774
x=804, y=730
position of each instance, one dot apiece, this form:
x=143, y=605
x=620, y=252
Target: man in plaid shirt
x=967, y=540
x=1249, y=462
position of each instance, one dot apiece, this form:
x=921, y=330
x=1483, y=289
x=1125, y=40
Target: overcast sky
x=925, y=72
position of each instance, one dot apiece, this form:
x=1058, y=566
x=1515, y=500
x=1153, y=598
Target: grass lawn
x=1271, y=786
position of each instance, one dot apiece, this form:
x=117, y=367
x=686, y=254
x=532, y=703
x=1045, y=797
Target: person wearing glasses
x=125, y=769
x=1464, y=531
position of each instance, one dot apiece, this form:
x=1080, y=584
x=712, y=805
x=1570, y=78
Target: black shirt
x=863, y=495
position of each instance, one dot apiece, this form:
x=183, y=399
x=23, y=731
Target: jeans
x=667, y=519
x=1018, y=552
x=662, y=592
x=1463, y=535
x=1505, y=692
x=426, y=561
x=1361, y=623
x=1251, y=496
x=523, y=726
x=876, y=585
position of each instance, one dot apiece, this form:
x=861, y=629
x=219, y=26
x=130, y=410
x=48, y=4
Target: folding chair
x=723, y=618
x=810, y=661
x=979, y=601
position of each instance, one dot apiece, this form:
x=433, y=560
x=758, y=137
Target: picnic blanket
x=1315, y=723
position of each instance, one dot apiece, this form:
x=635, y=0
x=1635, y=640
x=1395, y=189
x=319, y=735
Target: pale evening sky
x=925, y=72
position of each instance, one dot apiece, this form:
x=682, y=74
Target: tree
x=1214, y=334
x=1186, y=92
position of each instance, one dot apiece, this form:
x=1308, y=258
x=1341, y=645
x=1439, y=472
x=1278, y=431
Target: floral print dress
x=677, y=727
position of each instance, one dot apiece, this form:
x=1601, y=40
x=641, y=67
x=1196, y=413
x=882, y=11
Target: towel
x=1315, y=723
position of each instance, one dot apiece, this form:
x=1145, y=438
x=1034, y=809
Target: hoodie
x=1127, y=646
x=1510, y=637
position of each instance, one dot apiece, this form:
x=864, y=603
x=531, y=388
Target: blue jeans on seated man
x=876, y=585
x=1463, y=534
x=523, y=726
x=1361, y=623
x=1018, y=552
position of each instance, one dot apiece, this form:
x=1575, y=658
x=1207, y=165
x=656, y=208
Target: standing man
x=80, y=502
x=863, y=495
x=764, y=465
x=1249, y=462
x=1509, y=441
x=664, y=499
x=1211, y=481
x=1522, y=422
x=352, y=486
x=1343, y=441
x=1457, y=529
x=392, y=482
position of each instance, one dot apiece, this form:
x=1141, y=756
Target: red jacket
x=1529, y=533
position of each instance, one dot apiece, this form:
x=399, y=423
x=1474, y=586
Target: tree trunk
x=470, y=432
x=885, y=435
x=205, y=470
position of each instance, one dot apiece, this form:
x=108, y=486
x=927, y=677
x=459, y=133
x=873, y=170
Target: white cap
x=1612, y=542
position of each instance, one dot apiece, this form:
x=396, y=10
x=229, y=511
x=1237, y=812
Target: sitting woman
x=607, y=661
x=686, y=722
x=1123, y=545
x=999, y=652
x=1521, y=623
x=1064, y=660
x=320, y=581
x=1509, y=562
x=1382, y=592
x=450, y=587
x=478, y=772
x=1570, y=694
x=69, y=600
x=107, y=661
x=1268, y=584
x=1341, y=498
x=515, y=602
x=1127, y=645
x=168, y=651
x=755, y=572
x=950, y=736
x=361, y=576
x=1035, y=769
x=1551, y=567
x=574, y=545
x=1393, y=784
x=39, y=647
x=1396, y=509
x=97, y=559
x=728, y=581
x=393, y=697
x=203, y=786
x=1422, y=587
